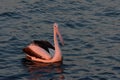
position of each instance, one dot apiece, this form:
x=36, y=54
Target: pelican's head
x=58, y=33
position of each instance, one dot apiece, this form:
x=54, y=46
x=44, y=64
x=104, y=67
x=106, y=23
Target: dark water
x=90, y=28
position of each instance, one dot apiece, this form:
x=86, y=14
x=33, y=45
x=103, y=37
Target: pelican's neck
x=57, y=55
x=55, y=39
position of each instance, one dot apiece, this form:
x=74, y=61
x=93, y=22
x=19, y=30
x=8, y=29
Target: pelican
x=40, y=51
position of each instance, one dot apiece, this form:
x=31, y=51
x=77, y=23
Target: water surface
x=90, y=28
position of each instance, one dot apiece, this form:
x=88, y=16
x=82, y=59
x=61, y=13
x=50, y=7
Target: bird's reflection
x=53, y=71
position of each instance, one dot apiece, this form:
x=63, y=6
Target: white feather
x=51, y=51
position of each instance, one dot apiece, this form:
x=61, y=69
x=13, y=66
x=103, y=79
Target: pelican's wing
x=36, y=51
x=30, y=52
x=44, y=44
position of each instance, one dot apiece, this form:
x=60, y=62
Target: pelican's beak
x=58, y=33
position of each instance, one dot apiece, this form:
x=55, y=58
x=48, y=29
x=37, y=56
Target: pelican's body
x=43, y=51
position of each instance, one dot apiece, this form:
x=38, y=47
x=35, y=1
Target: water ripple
x=116, y=68
x=11, y=15
x=90, y=28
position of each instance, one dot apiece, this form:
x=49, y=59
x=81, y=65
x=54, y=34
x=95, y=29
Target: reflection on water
x=41, y=70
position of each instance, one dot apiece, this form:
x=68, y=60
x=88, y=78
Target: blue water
x=90, y=28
